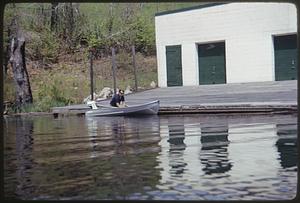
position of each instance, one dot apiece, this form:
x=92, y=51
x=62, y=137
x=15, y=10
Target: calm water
x=185, y=157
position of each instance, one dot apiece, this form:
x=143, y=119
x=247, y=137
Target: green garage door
x=174, y=67
x=212, y=63
x=285, y=57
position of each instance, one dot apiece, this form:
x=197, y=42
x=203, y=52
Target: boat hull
x=150, y=108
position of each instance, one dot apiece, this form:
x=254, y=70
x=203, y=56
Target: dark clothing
x=116, y=99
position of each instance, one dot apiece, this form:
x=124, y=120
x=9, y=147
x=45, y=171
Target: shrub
x=50, y=95
x=45, y=47
x=144, y=36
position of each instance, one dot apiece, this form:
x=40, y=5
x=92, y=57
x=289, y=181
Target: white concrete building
x=227, y=43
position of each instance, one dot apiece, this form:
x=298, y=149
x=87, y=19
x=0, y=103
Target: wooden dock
x=259, y=97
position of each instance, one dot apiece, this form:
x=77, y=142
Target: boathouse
x=226, y=43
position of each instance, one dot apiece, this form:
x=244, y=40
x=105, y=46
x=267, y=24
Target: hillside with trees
x=58, y=38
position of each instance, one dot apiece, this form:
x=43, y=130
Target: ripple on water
x=163, y=157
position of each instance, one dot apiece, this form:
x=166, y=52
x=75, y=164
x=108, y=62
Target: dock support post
x=114, y=69
x=91, y=75
x=134, y=66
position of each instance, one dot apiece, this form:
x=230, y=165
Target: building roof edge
x=188, y=9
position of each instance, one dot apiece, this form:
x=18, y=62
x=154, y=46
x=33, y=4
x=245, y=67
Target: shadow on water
x=154, y=157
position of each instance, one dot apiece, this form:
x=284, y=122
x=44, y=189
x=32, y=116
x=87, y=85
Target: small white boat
x=143, y=109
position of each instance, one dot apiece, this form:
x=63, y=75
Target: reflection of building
x=287, y=144
x=176, y=137
x=183, y=141
x=177, y=147
x=214, y=153
x=252, y=149
x=200, y=152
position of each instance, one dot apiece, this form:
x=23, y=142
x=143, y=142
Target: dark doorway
x=211, y=58
x=285, y=50
x=174, y=65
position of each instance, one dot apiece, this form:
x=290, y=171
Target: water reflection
x=121, y=134
x=214, y=152
x=177, y=147
x=287, y=144
x=156, y=157
x=233, y=152
x=131, y=164
x=92, y=132
x=212, y=148
x=24, y=157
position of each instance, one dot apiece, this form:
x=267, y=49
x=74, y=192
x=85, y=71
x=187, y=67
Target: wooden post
x=114, y=69
x=91, y=75
x=134, y=66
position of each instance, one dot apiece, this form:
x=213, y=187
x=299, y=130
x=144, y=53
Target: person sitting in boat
x=118, y=99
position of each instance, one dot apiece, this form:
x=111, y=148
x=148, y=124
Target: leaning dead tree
x=21, y=78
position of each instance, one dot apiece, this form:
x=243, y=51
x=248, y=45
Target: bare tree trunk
x=70, y=20
x=42, y=15
x=7, y=53
x=111, y=18
x=111, y=7
x=141, y=6
x=53, y=23
x=18, y=63
x=69, y=23
x=11, y=32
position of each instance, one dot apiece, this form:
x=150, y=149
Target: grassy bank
x=68, y=81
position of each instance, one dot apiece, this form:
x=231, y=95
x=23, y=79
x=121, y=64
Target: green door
x=285, y=57
x=212, y=63
x=174, y=67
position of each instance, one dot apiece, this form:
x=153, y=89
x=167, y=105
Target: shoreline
x=275, y=97
x=28, y=114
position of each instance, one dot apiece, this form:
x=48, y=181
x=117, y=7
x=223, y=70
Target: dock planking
x=255, y=97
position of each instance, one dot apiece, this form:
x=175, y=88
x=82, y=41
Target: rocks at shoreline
x=105, y=93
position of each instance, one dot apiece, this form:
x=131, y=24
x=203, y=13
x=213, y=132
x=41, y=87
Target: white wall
x=246, y=28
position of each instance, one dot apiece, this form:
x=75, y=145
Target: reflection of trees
x=214, y=152
x=123, y=161
x=177, y=147
x=9, y=159
x=130, y=147
x=25, y=164
x=287, y=144
x=92, y=132
x=119, y=132
x=123, y=158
